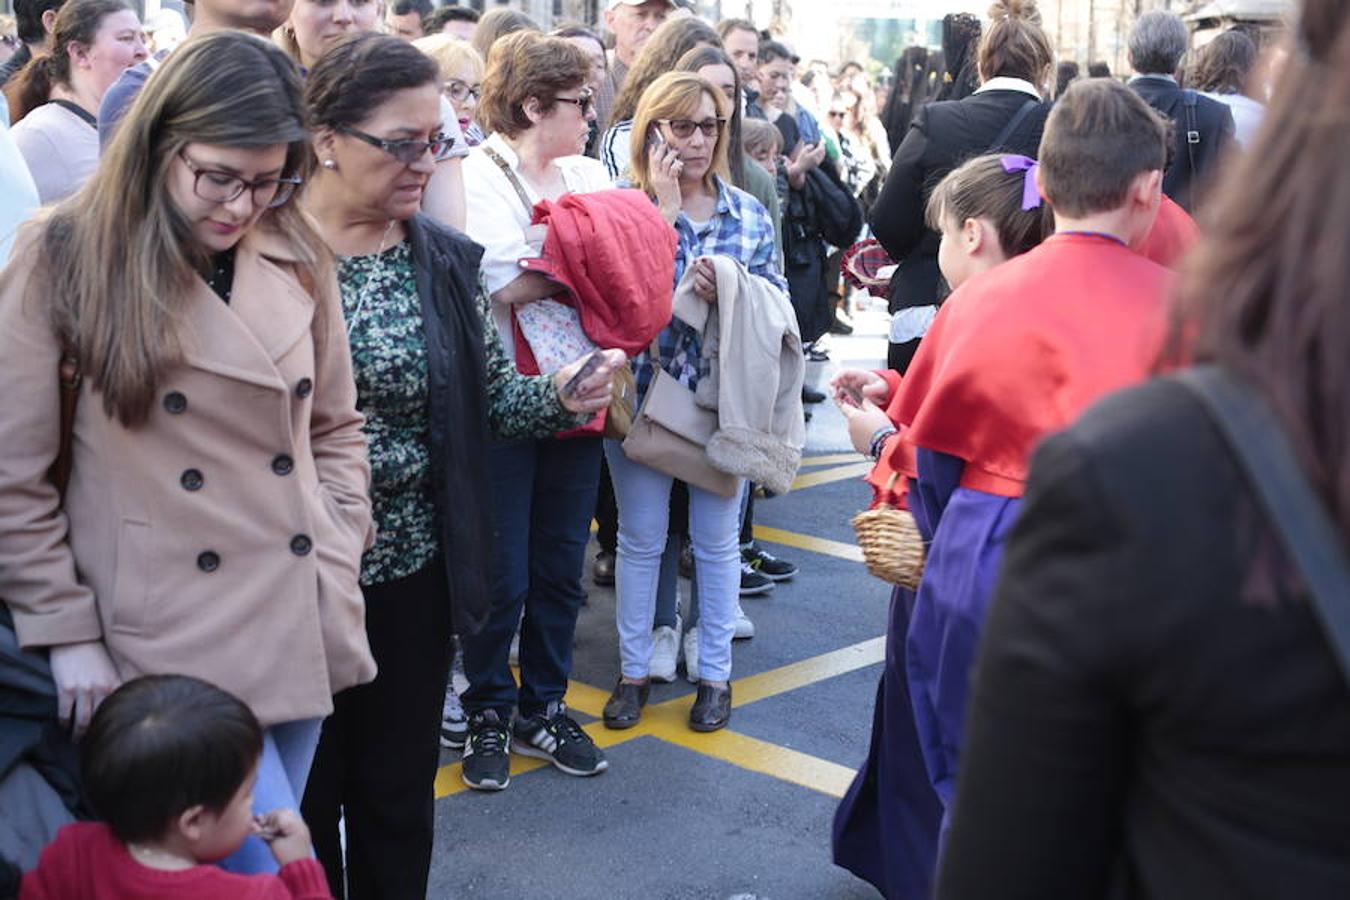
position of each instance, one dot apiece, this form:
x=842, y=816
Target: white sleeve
x=496, y=219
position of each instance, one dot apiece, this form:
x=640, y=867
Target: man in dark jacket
x=1204, y=127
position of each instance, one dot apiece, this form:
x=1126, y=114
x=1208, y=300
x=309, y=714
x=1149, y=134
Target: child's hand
x=286, y=834
x=863, y=422
x=871, y=385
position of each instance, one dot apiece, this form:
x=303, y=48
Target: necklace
x=370, y=276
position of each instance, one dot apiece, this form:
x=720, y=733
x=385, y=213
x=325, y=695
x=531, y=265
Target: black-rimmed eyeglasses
x=683, y=128
x=406, y=152
x=215, y=186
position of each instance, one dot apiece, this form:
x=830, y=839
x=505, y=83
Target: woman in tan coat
x=218, y=503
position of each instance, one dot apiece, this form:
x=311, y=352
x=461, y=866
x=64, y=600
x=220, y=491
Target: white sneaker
x=691, y=655
x=745, y=629
x=665, y=653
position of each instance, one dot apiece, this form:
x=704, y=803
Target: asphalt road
x=743, y=814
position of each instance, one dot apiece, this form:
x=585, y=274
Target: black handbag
x=1305, y=529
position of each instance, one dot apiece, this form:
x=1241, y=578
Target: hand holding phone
x=593, y=362
x=851, y=395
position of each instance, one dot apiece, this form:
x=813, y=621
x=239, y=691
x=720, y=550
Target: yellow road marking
x=807, y=542
x=834, y=459
x=825, y=476
x=669, y=721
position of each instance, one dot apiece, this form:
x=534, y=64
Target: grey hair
x=1157, y=43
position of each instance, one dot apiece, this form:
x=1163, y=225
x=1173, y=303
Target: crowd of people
x=330, y=326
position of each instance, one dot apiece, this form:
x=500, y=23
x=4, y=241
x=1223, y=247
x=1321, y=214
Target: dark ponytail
x=77, y=22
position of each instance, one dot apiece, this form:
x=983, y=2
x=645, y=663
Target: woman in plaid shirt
x=681, y=162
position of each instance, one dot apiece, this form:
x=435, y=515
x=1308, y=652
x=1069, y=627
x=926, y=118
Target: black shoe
x=752, y=582
x=487, y=758
x=811, y=395
x=839, y=326
x=711, y=709
x=767, y=564
x=602, y=573
x=817, y=355
x=555, y=736
x=624, y=707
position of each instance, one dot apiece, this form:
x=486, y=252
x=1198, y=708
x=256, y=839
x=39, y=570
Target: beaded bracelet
x=878, y=439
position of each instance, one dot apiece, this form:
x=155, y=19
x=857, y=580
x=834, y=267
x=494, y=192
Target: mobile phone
x=592, y=363
x=851, y=395
x=655, y=140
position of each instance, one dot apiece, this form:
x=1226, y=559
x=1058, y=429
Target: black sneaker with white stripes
x=487, y=759
x=555, y=736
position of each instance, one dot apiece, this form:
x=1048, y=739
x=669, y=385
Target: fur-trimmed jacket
x=754, y=351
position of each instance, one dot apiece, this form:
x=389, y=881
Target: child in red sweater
x=169, y=762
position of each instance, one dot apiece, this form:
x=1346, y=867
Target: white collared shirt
x=1003, y=83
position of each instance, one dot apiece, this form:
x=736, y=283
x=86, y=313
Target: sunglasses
x=683, y=128
x=583, y=103
x=406, y=152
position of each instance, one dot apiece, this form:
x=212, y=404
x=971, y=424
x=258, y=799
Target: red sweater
x=87, y=862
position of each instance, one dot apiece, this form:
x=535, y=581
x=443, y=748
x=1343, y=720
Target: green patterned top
x=389, y=362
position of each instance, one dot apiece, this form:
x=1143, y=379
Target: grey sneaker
x=555, y=736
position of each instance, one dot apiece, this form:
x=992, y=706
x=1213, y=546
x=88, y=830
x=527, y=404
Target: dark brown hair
x=1224, y=64
x=357, y=74
x=982, y=189
x=673, y=39
x=162, y=744
x=1098, y=138
x=1014, y=46
x=77, y=22
x=1265, y=292
x=527, y=64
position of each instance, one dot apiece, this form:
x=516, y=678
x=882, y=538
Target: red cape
x=1172, y=236
x=1020, y=350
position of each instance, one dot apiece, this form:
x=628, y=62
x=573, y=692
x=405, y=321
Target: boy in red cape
x=1019, y=351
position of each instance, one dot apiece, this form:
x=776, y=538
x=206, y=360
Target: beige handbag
x=670, y=434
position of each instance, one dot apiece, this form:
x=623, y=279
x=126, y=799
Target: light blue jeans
x=643, y=497
x=288, y=752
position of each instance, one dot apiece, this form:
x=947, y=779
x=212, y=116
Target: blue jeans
x=288, y=751
x=543, y=494
x=714, y=531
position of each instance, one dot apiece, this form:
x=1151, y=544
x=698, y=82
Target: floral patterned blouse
x=389, y=362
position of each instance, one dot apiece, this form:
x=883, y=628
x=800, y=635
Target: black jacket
x=446, y=267
x=1155, y=711
x=1214, y=123
x=941, y=136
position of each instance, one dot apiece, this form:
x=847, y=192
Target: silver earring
x=330, y=164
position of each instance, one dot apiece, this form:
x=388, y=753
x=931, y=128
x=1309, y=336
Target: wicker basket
x=892, y=546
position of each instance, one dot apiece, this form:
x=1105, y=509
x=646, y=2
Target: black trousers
x=379, y=750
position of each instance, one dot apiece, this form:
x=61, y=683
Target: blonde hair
x=117, y=263
x=672, y=96
x=451, y=55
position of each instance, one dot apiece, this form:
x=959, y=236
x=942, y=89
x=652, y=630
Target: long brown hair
x=117, y=260
x=673, y=39
x=1265, y=294
x=671, y=96
x=77, y=22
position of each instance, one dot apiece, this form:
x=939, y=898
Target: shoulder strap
x=1016, y=120
x=87, y=117
x=511, y=177
x=1306, y=530
x=1189, y=100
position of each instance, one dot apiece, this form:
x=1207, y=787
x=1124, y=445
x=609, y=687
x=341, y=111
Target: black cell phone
x=592, y=363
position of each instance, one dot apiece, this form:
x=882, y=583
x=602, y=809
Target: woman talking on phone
x=682, y=166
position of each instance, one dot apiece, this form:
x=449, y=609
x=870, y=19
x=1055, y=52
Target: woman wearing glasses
x=682, y=165
x=543, y=489
x=218, y=504
x=431, y=380
x=462, y=79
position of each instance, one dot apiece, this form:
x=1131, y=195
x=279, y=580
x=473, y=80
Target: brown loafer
x=624, y=707
x=711, y=709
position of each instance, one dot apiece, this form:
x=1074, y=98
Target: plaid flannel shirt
x=739, y=228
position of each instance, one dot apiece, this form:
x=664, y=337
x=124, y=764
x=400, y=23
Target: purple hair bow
x=1012, y=162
